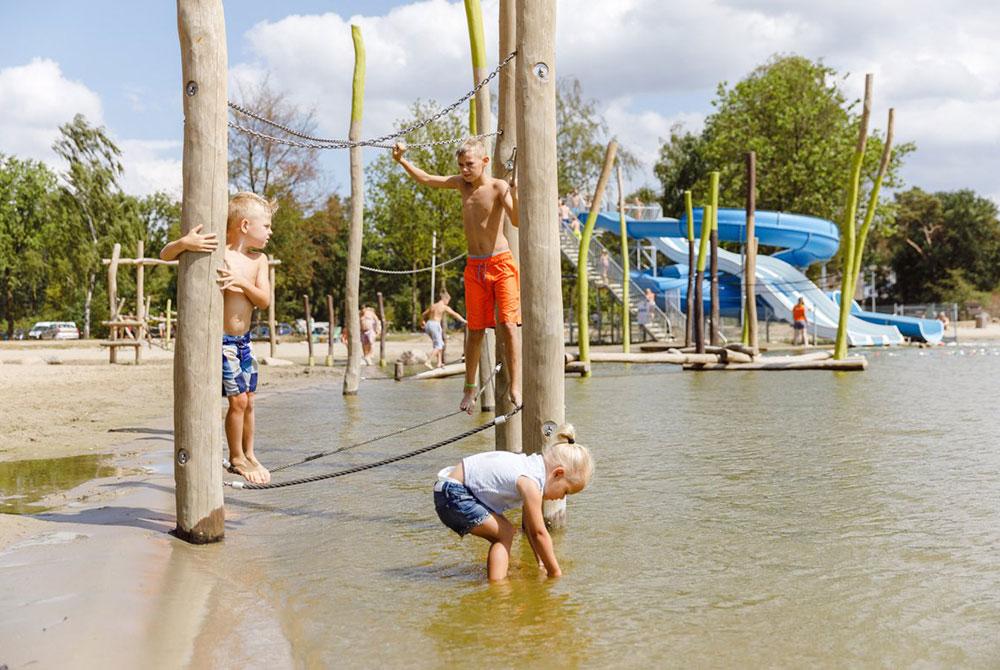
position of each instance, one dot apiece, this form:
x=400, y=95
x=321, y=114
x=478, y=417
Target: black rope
x=324, y=454
x=361, y=468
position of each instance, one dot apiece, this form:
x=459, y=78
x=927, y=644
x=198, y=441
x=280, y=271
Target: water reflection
x=24, y=483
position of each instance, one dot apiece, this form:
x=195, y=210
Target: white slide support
x=780, y=285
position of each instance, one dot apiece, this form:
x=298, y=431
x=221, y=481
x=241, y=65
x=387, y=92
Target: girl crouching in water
x=472, y=496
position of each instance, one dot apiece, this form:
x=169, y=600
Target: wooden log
x=157, y=261
x=578, y=367
x=449, y=370
x=113, y=263
x=352, y=374
x=853, y=363
x=381, y=337
x=730, y=356
x=655, y=359
x=272, y=325
x=131, y=323
x=508, y=434
x=750, y=273
x=140, y=300
x=332, y=316
x=114, y=344
x=309, y=331
x=197, y=363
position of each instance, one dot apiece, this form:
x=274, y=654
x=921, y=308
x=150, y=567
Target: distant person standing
x=565, y=213
x=605, y=265
x=799, y=323
x=644, y=311
x=575, y=201
x=431, y=319
x=371, y=328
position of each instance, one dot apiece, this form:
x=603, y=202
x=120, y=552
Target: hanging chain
x=380, y=142
x=412, y=272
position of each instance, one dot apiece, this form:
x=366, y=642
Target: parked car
x=40, y=327
x=283, y=328
x=261, y=332
x=61, y=330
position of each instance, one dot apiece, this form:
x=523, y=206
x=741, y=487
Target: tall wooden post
x=116, y=253
x=140, y=298
x=582, y=279
x=750, y=278
x=352, y=375
x=197, y=362
x=689, y=215
x=272, y=325
x=479, y=122
x=714, y=325
x=699, y=282
x=332, y=316
x=381, y=337
x=309, y=330
x=508, y=435
x=541, y=288
x=626, y=275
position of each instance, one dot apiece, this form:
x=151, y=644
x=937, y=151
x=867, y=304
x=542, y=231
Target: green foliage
x=582, y=139
x=680, y=168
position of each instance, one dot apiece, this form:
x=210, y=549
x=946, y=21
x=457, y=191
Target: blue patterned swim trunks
x=239, y=366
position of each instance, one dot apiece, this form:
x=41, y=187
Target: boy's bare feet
x=240, y=466
x=468, y=400
x=428, y=364
x=259, y=470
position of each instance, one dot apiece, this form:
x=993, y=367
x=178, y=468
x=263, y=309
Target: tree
x=792, y=113
x=90, y=185
x=581, y=139
x=26, y=208
x=269, y=169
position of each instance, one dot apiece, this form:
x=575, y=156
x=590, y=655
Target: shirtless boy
x=244, y=282
x=431, y=318
x=491, y=278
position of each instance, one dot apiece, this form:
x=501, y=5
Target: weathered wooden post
x=689, y=312
x=197, y=362
x=329, y=333
x=140, y=299
x=714, y=325
x=541, y=288
x=116, y=253
x=508, y=435
x=750, y=271
x=272, y=325
x=626, y=275
x=479, y=122
x=381, y=337
x=352, y=375
x=582, y=269
x=309, y=330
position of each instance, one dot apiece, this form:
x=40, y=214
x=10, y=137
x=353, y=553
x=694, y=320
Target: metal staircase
x=661, y=325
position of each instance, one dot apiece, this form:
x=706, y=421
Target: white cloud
x=150, y=166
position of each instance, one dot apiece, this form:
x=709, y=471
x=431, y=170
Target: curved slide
x=915, y=328
x=807, y=240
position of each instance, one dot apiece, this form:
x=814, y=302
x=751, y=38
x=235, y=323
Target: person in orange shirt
x=492, y=283
x=799, y=323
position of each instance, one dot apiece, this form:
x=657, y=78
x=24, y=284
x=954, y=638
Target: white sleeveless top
x=492, y=477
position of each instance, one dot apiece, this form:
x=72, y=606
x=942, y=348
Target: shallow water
x=24, y=483
x=735, y=519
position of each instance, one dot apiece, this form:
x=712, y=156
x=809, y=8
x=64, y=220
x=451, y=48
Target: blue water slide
x=915, y=328
x=804, y=239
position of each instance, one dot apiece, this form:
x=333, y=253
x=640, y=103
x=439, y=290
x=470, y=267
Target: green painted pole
x=859, y=247
x=699, y=297
x=714, y=325
x=847, y=232
x=689, y=313
x=626, y=277
x=582, y=282
x=352, y=374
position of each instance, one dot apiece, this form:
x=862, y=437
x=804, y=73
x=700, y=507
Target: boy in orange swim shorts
x=491, y=279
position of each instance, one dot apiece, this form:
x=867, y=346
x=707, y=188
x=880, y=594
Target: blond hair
x=242, y=204
x=574, y=458
x=473, y=145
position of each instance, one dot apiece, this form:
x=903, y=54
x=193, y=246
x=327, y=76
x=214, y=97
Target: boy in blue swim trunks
x=244, y=283
x=431, y=318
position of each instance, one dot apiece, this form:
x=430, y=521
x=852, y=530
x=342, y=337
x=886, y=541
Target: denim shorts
x=457, y=507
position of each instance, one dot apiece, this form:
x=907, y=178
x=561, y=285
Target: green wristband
x=471, y=386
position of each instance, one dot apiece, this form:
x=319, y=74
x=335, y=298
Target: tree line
x=55, y=226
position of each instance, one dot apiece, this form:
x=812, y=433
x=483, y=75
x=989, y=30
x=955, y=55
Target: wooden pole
x=197, y=363
x=166, y=345
x=272, y=325
x=309, y=330
x=541, y=289
x=381, y=337
x=479, y=122
x=508, y=435
x=689, y=313
x=715, y=326
x=699, y=283
x=352, y=375
x=626, y=275
x=113, y=300
x=750, y=278
x=582, y=280
x=332, y=316
x=140, y=299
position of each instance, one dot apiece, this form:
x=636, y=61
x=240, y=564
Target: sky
x=650, y=64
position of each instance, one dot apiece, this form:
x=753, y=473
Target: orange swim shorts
x=490, y=282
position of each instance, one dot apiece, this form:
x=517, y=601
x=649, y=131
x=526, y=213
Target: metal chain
x=311, y=145
x=380, y=142
x=411, y=272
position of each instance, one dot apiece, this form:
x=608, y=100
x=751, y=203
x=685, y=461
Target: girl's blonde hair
x=574, y=458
